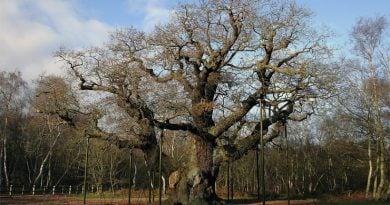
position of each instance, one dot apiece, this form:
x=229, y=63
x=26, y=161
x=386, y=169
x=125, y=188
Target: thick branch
x=247, y=105
x=184, y=127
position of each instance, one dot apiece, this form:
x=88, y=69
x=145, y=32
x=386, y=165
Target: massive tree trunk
x=194, y=183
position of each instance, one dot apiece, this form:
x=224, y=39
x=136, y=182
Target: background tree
x=364, y=94
x=12, y=104
x=52, y=95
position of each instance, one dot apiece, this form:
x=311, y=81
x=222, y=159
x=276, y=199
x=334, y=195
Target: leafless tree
x=220, y=56
x=368, y=38
x=12, y=87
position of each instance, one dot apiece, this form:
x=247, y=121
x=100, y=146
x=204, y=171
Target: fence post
x=44, y=190
x=54, y=190
x=23, y=190
x=70, y=189
x=10, y=190
x=62, y=190
x=33, y=190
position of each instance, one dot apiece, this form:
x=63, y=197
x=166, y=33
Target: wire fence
x=93, y=190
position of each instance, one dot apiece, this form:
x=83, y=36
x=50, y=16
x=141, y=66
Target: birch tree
x=368, y=37
x=12, y=87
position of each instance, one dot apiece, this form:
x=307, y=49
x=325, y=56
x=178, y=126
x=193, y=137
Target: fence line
x=139, y=195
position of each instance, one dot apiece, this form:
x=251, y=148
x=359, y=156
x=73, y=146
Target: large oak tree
x=205, y=72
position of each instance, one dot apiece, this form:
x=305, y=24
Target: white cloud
x=154, y=12
x=155, y=16
x=30, y=31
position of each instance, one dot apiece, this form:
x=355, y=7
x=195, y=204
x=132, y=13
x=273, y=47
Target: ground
x=60, y=200
x=121, y=200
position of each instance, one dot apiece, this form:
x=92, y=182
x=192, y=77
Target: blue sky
x=31, y=30
x=337, y=14
x=126, y=12
x=340, y=15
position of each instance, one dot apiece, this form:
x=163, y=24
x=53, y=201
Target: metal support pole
x=262, y=152
x=231, y=181
x=160, y=169
x=86, y=171
x=1, y=162
x=130, y=168
x=153, y=180
x=150, y=185
x=287, y=164
x=228, y=179
x=258, y=173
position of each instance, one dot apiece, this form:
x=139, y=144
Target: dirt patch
x=285, y=202
x=62, y=200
